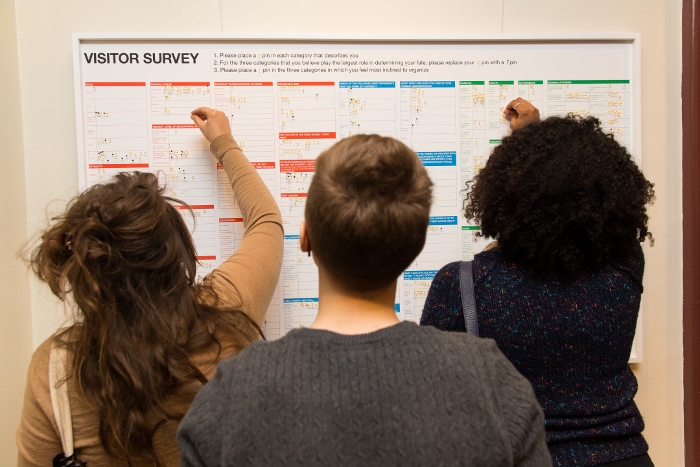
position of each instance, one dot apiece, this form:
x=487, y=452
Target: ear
x=304, y=243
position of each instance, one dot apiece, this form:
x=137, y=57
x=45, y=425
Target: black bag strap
x=466, y=285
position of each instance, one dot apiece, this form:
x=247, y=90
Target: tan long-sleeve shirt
x=246, y=281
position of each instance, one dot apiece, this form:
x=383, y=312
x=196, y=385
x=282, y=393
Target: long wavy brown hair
x=124, y=256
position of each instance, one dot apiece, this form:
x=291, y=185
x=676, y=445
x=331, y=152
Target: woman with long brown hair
x=146, y=335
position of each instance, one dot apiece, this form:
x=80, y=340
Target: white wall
x=44, y=30
x=15, y=317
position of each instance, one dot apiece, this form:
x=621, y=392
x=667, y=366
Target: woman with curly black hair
x=560, y=288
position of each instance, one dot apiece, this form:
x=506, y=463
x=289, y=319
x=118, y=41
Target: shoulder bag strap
x=466, y=285
x=58, y=387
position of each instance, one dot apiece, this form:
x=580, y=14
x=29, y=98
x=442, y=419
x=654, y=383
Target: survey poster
x=290, y=101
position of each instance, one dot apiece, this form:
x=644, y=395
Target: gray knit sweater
x=403, y=395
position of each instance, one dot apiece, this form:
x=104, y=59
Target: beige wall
x=44, y=30
x=15, y=317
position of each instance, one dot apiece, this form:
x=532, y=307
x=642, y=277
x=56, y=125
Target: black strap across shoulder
x=466, y=285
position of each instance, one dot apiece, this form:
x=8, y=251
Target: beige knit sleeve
x=38, y=440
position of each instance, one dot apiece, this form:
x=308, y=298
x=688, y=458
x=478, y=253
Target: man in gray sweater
x=359, y=387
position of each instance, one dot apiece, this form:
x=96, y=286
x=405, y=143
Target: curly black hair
x=562, y=197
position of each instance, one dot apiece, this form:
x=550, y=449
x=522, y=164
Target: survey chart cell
x=295, y=175
x=181, y=156
x=440, y=248
x=532, y=90
x=295, y=178
x=250, y=106
x=441, y=244
x=428, y=115
x=301, y=273
x=298, y=152
x=202, y=224
x=299, y=312
x=607, y=100
x=299, y=284
x=174, y=101
x=116, y=136
x=367, y=107
x=304, y=145
x=471, y=242
x=498, y=95
x=231, y=232
x=101, y=173
x=416, y=284
x=308, y=106
x=273, y=324
x=441, y=167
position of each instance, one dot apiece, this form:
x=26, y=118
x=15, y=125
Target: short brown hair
x=367, y=210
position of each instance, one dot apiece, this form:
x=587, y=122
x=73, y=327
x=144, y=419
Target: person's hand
x=521, y=113
x=212, y=123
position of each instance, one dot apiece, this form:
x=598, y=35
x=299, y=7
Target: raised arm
x=246, y=280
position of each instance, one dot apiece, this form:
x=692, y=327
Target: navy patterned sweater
x=571, y=340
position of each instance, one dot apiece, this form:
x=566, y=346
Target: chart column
x=607, y=100
x=306, y=116
x=499, y=94
x=440, y=247
x=299, y=286
x=251, y=108
x=472, y=129
x=181, y=156
x=367, y=107
x=429, y=115
x=173, y=101
x=533, y=92
x=115, y=129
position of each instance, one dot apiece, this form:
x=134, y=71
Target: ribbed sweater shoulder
x=401, y=395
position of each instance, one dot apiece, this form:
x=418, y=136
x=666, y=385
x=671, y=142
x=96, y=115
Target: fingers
x=521, y=113
x=512, y=105
x=197, y=120
x=212, y=123
x=514, y=109
x=201, y=112
x=511, y=111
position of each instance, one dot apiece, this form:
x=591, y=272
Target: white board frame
x=632, y=39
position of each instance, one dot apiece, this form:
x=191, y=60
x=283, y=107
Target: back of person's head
x=562, y=197
x=367, y=210
x=123, y=256
x=114, y=240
